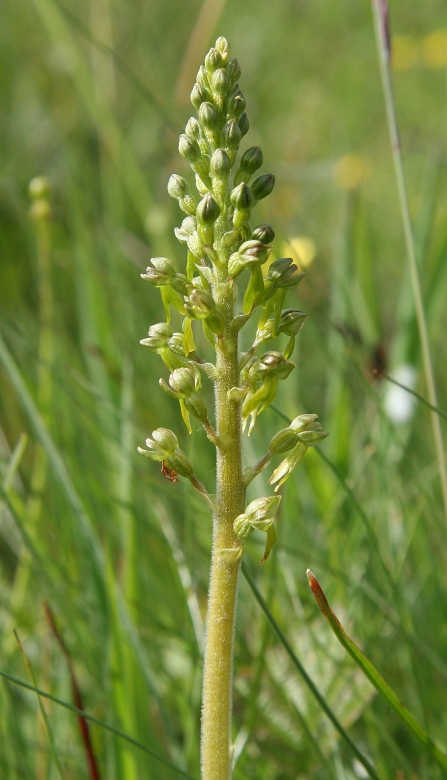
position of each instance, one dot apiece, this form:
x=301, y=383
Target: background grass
x=87, y=526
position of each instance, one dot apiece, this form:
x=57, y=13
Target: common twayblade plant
x=222, y=286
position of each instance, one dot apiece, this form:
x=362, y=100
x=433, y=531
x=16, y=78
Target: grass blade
x=309, y=682
x=374, y=676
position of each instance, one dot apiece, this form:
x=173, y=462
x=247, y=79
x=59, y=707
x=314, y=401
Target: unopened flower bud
x=242, y=197
x=234, y=70
x=213, y=60
x=263, y=185
x=208, y=116
x=251, y=160
x=223, y=47
x=244, y=124
x=182, y=381
x=264, y=233
x=166, y=439
x=220, y=83
x=202, y=78
x=199, y=95
x=231, y=135
x=219, y=164
x=188, y=149
x=192, y=129
x=291, y=321
x=207, y=210
x=177, y=187
x=236, y=104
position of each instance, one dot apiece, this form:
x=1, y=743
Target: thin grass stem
x=380, y=15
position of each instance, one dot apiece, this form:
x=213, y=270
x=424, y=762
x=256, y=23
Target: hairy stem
x=222, y=595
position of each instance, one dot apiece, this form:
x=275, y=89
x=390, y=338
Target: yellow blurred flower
x=351, y=170
x=434, y=49
x=301, y=249
x=404, y=52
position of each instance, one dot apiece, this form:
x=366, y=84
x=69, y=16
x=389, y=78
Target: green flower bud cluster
x=227, y=279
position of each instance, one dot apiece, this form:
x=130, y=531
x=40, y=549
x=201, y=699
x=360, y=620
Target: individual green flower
x=258, y=516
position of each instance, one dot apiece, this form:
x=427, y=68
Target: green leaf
x=374, y=676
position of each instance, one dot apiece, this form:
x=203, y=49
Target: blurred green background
x=93, y=96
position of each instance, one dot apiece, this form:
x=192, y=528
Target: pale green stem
x=216, y=756
x=384, y=61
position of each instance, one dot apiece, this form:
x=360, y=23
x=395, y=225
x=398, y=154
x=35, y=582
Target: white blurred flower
x=399, y=405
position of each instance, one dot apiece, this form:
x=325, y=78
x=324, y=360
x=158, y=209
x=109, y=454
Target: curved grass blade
x=374, y=676
x=309, y=682
x=383, y=375
x=92, y=719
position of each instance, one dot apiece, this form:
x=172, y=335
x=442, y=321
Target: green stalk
x=222, y=594
x=380, y=15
